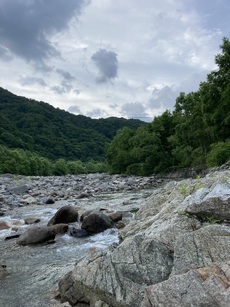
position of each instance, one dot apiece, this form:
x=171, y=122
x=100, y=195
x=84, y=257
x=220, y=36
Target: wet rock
x=11, y=223
x=4, y=225
x=78, y=232
x=66, y=214
x=96, y=222
x=88, y=212
x=32, y=220
x=41, y=234
x=48, y=201
x=115, y=216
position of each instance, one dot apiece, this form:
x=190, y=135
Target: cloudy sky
x=103, y=58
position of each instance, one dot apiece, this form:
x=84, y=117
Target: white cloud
x=55, y=50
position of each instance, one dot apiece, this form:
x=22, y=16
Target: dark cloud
x=25, y=25
x=135, y=110
x=107, y=64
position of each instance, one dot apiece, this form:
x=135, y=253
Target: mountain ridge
x=51, y=132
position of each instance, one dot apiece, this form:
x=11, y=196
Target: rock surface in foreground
x=168, y=256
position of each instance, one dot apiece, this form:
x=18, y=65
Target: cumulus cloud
x=135, y=110
x=107, y=64
x=74, y=109
x=25, y=26
x=164, y=97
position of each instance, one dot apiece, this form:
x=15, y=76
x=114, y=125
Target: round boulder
x=66, y=214
x=96, y=222
x=41, y=234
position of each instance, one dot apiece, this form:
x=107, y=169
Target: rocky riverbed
x=173, y=249
x=29, y=275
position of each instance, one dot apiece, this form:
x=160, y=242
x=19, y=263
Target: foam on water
x=101, y=240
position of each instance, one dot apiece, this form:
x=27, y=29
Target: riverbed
x=33, y=272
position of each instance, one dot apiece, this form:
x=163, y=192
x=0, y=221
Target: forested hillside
x=53, y=133
x=195, y=134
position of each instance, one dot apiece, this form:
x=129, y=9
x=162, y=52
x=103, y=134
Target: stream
x=34, y=271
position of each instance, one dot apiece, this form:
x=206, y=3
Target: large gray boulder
x=206, y=287
x=215, y=206
x=202, y=248
x=118, y=276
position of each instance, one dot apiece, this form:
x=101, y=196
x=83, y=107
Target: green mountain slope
x=54, y=133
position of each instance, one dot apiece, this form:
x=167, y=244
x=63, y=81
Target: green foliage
x=184, y=190
x=219, y=153
x=19, y=161
x=196, y=134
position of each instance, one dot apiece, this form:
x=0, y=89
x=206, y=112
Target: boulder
x=66, y=214
x=202, y=248
x=88, y=212
x=203, y=287
x=214, y=207
x=41, y=234
x=96, y=222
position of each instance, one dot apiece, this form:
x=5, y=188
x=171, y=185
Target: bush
x=219, y=154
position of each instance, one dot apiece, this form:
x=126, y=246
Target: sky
x=104, y=58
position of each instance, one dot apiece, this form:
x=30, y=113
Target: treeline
x=19, y=161
x=195, y=134
x=53, y=133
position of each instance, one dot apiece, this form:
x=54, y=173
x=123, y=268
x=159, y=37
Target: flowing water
x=34, y=271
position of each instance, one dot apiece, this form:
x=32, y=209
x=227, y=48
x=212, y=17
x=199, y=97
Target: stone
x=115, y=216
x=66, y=214
x=4, y=225
x=41, y=234
x=202, y=248
x=118, y=276
x=78, y=232
x=32, y=220
x=96, y=222
x=211, y=209
x=88, y=212
x=192, y=289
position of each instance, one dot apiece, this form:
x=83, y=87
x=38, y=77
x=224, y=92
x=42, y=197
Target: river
x=34, y=271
